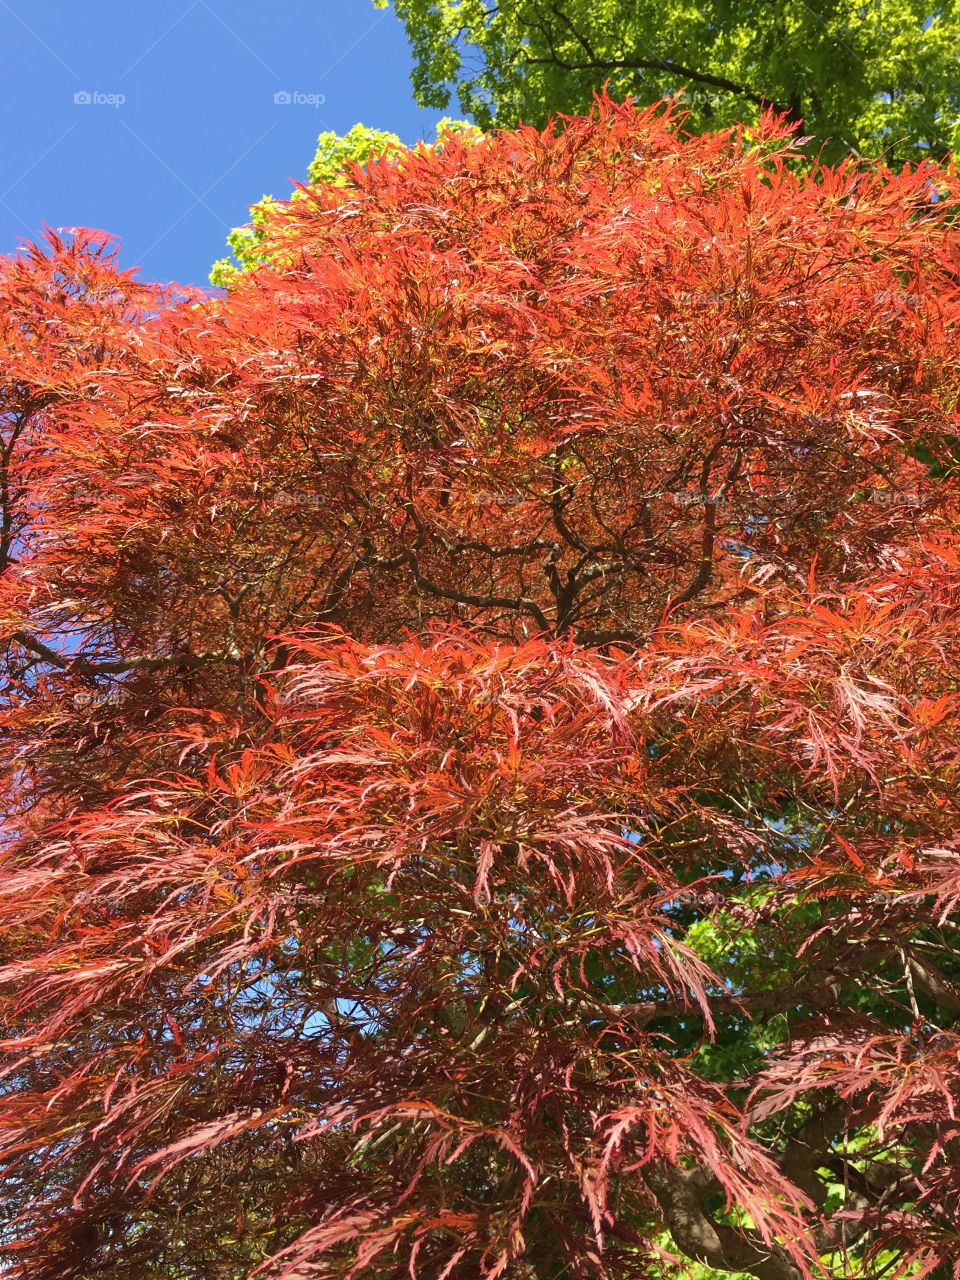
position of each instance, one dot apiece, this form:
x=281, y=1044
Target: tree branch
x=116, y=666
x=595, y=62
x=679, y=1193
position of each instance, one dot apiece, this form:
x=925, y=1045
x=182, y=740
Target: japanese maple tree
x=480, y=727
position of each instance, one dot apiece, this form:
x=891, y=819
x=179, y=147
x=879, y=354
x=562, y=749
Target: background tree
x=875, y=78
x=480, y=734
x=336, y=158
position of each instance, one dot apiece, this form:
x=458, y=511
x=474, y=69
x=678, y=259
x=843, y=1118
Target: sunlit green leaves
x=868, y=78
x=334, y=163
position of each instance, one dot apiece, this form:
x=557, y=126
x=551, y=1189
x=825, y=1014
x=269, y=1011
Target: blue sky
x=181, y=131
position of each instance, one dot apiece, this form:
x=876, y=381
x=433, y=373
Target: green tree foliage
x=862, y=76
x=335, y=162
x=335, y=155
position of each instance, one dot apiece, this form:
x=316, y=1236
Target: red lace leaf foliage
x=547, y=563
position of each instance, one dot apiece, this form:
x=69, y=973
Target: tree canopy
x=480, y=727
x=872, y=78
